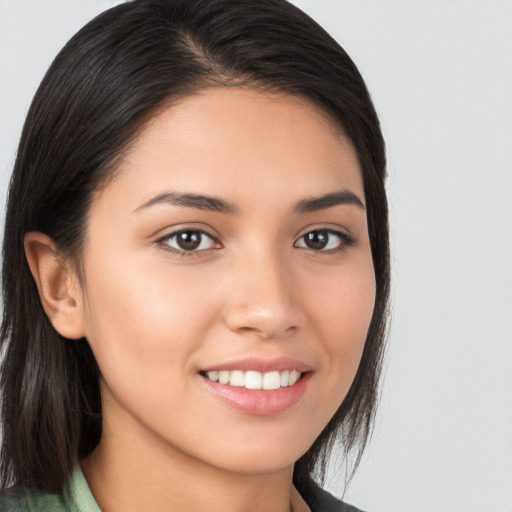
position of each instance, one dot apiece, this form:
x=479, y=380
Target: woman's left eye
x=324, y=240
x=188, y=241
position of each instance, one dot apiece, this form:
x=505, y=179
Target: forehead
x=242, y=105
x=223, y=140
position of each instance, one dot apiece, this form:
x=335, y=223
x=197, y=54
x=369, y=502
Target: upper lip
x=261, y=365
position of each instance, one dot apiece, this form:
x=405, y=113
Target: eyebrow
x=216, y=204
x=313, y=204
x=199, y=201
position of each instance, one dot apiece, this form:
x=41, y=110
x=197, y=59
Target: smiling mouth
x=254, y=380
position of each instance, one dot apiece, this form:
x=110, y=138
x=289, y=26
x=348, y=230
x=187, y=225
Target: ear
x=58, y=285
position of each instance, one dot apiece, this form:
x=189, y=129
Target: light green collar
x=80, y=494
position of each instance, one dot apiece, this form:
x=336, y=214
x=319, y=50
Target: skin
x=156, y=318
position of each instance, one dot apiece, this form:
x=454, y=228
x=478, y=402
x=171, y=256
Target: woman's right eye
x=188, y=241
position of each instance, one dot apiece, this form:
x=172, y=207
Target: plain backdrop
x=440, y=73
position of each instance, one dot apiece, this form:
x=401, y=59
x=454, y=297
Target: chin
x=260, y=455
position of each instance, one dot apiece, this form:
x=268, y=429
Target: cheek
x=142, y=319
x=340, y=311
x=343, y=317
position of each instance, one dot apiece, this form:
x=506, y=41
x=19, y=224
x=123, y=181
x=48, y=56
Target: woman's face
x=229, y=253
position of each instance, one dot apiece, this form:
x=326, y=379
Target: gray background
x=440, y=73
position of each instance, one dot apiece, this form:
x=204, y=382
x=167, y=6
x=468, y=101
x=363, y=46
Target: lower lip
x=259, y=402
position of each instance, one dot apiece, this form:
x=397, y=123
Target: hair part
x=114, y=75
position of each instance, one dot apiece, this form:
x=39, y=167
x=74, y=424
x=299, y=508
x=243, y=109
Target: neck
x=124, y=474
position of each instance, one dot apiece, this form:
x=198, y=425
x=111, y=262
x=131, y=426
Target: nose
x=264, y=300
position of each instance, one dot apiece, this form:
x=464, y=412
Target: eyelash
x=345, y=241
x=164, y=242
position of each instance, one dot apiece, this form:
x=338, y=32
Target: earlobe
x=57, y=284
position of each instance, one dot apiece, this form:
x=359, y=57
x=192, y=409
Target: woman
x=195, y=265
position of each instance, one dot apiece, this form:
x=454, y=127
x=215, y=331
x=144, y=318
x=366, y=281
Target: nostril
x=268, y=333
x=265, y=315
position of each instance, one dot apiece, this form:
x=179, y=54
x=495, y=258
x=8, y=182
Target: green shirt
x=76, y=498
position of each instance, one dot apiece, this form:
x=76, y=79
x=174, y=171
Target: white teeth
x=271, y=380
x=213, y=376
x=237, y=379
x=223, y=377
x=255, y=380
x=294, y=377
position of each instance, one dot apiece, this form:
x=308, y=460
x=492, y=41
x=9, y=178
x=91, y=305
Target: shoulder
x=11, y=501
x=322, y=501
x=76, y=497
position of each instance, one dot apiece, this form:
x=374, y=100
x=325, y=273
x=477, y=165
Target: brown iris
x=316, y=240
x=188, y=240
